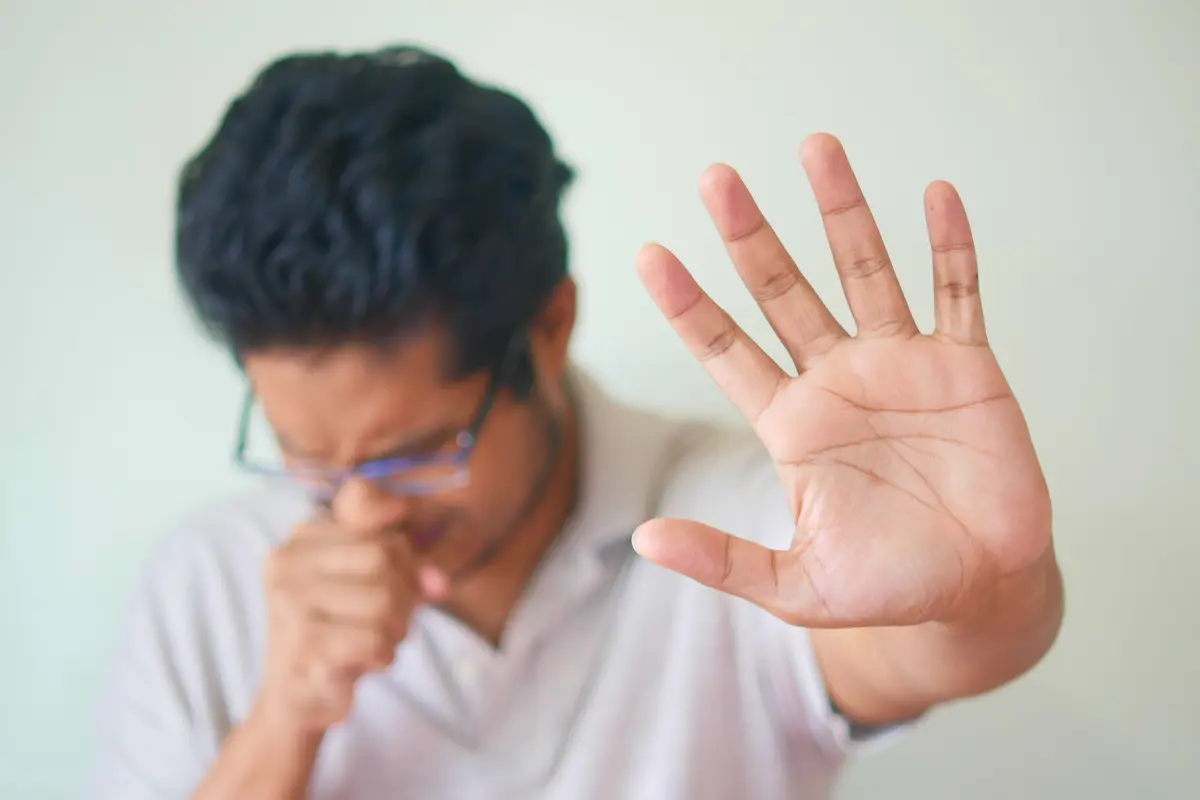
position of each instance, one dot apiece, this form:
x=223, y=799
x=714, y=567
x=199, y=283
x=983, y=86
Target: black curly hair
x=352, y=198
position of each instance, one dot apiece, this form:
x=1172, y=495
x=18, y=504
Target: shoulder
x=218, y=547
x=188, y=651
x=189, y=641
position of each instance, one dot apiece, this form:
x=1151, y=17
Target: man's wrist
x=268, y=755
x=1002, y=638
x=271, y=723
x=1025, y=606
x=886, y=675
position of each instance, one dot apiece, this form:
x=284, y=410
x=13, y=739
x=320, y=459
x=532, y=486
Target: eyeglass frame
x=379, y=470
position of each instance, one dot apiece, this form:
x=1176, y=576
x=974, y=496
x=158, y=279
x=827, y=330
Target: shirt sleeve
x=156, y=728
x=823, y=722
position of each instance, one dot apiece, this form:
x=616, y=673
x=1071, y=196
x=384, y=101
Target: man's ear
x=550, y=334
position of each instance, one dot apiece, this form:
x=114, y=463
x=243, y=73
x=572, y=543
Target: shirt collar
x=623, y=459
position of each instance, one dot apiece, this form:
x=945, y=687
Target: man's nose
x=362, y=505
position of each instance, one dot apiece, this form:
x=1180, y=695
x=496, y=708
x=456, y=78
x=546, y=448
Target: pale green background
x=1072, y=129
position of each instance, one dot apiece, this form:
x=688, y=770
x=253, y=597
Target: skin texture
x=922, y=556
x=922, y=550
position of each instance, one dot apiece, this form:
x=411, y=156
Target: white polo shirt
x=616, y=680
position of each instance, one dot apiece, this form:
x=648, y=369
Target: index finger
x=746, y=374
x=788, y=301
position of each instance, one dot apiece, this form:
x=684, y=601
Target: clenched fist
x=340, y=593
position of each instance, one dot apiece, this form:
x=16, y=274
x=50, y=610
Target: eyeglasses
x=437, y=472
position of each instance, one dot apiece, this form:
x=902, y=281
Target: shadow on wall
x=1022, y=744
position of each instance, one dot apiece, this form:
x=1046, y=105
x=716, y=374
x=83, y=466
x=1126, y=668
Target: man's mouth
x=426, y=536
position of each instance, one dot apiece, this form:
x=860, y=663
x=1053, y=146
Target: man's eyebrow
x=412, y=446
x=418, y=445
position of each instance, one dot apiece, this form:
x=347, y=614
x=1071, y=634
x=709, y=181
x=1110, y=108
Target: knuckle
x=379, y=602
x=850, y=207
x=947, y=248
x=326, y=676
x=354, y=652
x=867, y=267
x=959, y=289
x=718, y=344
x=313, y=644
x=782, y=279
x=754, y=229
x=338, y=654
x=376, y=560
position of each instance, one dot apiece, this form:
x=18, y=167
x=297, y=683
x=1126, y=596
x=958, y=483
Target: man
x=441, y=596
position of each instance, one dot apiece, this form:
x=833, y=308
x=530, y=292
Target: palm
x=878, y=462
x=905, y=457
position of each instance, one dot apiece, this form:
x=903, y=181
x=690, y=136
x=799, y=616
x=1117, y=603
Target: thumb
x=730, y=564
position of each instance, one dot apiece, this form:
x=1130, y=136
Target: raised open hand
x=914, y=486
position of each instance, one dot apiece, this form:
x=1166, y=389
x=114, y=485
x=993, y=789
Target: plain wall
x=1071, y=128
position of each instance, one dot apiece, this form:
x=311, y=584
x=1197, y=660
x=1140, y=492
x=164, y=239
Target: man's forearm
x=262, y=758
x=884, y=675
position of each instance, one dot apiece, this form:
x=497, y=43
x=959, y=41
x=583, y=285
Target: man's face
x=356, y=404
